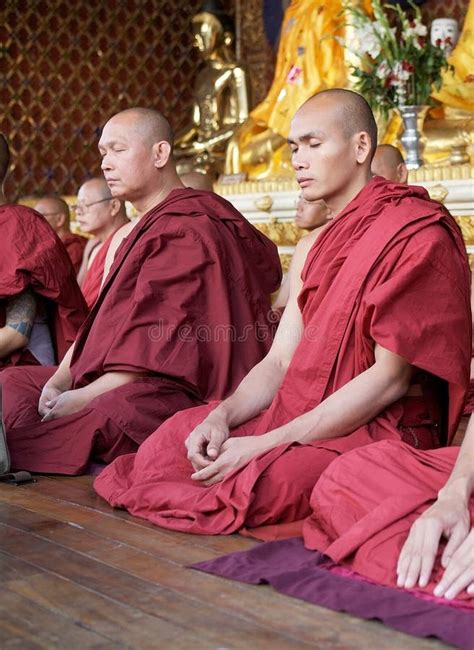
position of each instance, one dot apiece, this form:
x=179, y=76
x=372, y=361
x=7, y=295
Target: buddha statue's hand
x=205, y=441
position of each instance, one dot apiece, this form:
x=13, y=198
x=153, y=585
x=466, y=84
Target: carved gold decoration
x=438, y=192
x=282, y=233
x=466, y=223
x=441, y=173
x=251, y=187
x=264, y=203
x=285, y=259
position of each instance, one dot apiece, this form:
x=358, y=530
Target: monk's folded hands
x=235, y=453
x=205, y=441
x=71, y=401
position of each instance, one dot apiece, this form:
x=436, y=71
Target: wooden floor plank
x=106, y=538
x=151, y=598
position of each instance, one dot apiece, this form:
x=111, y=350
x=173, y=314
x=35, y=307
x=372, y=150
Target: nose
x=298, y=160
x=105, y=163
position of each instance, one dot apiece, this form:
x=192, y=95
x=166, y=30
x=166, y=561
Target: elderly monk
x=99, y=214
x=400, y=516
x=56, y=212
x=363, y=352
x=181, y=318
x=388, y=162
x=41, y=307
x=309, y=216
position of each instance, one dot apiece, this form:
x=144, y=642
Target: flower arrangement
x=399, y=65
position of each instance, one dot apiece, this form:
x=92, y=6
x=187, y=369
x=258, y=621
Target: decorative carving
x=466, y=223
x=438, y=192
x=255, y=49
x=285, y=259
x=264, y=203
x=282, y=233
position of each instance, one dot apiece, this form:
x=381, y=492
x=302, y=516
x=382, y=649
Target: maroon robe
x=187, y=302
x=32, y=257
x=74, y=245
x=390, y=269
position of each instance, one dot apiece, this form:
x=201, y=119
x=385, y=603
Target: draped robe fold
x=390, y=269
x=32, y=257
x=365, y=503
x=186, y=303
x=74, y=245
x=92, y=282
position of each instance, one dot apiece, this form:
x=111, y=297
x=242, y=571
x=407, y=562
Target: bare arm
x=258, y=388
x=19, y=320
x=91, y=244
x=71, y=401
x=350, y=407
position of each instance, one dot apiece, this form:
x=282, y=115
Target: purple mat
x=297, y=572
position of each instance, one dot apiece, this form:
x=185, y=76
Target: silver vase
x=412, y=138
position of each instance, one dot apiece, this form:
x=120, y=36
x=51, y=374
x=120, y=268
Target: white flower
x=366, y=35
x=414, y=31
x=383, y=70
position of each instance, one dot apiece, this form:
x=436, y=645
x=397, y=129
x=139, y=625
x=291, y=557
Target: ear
x=114, y=206
x=402, y=173
x=60, y=220
x=161, y=153
x=363, y=146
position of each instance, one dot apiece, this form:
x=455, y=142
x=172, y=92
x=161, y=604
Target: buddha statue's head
x=213, y=29
x=444, y=33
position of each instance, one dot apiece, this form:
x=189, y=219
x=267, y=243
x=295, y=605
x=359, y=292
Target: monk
x=309, y=216
x=56, y=212
x=197, y=180
x=181, y=318
x=400, y=516
x=388, y=162
x=99, y=214
x=363, y=352
x=41, y=307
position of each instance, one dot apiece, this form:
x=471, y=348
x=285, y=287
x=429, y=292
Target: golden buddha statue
x=220, y=96
x=309, y=59
x=451, y=136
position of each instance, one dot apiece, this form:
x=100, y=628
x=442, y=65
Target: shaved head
x=54, y=209
x=352, y=111
x=148, y=123
x=197, y=181
x=388, y=162
x=99, y=186
x=4, y=157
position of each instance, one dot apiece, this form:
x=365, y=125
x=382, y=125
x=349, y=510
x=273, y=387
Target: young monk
x=309, y=216
x=363, y=352
x=41, y=307
x=388, y=162
x=182, y=316
x=400, y=516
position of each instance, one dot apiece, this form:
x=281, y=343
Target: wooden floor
x=76, y=574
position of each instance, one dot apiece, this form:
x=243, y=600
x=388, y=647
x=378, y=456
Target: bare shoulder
x=302, y=249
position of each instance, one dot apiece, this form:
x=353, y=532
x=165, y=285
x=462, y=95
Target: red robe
x=391, y=269
x=74, y=245
x=93, y=278
x=365, y=503
x=32, y=257
x=187, y=302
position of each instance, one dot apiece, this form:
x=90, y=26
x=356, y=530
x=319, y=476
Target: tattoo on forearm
x=21, y=312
